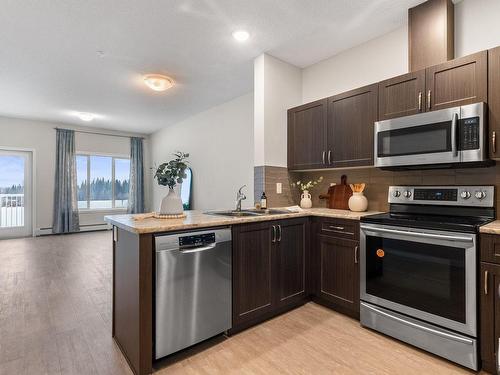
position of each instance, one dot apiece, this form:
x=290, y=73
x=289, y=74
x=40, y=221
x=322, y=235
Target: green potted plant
x=170, y=174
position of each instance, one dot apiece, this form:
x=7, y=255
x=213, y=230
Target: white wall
x=278, y=86
x=476, y=29
x=41, y=137
x=476, y=26
x=220, y=144
x=373, y=61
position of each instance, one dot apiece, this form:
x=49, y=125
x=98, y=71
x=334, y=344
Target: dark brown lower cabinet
x=335, y=269
x=269, y=269
x=490, y=315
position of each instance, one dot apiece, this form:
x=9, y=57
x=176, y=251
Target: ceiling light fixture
x=241, y=35
x=85, y=116
x=158, y=82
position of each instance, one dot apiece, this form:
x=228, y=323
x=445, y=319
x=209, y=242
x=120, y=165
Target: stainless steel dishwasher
x=193, y=288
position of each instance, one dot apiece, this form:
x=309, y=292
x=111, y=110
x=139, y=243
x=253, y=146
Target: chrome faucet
x=239, y=197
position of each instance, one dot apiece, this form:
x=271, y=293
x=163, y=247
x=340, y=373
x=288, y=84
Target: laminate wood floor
x=55, y=318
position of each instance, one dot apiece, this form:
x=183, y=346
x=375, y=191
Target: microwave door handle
x=454, y=125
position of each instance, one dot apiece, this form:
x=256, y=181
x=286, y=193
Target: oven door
x=422, y=139
x=427, y=274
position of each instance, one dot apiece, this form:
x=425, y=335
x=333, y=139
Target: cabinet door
x=307, y=135
x=351, y=116
x=291, y=249
x=490, y=314
x=494, y=100
x=252, y=271
x=402, y=96
x=457, y=82
x=339, y=273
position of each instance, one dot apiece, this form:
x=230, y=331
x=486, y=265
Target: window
x=103, y=181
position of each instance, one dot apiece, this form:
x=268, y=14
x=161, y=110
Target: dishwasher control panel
x=197, y=240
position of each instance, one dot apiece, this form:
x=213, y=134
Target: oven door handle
x=421, y=327
x=420, y=234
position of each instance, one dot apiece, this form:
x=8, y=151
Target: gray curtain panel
x=65, y=218
x=136, y=193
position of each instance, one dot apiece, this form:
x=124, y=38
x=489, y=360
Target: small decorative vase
x=171, y=204
x=358, y=202
x=305, y=201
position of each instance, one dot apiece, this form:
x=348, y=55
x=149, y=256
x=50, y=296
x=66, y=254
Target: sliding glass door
x=15, y=194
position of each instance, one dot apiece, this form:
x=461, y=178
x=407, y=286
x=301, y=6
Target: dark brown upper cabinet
x=351, y=116
x=457, y=82
x=402, y=96
x=494, y=100
x=307, y=130
x=430, y=34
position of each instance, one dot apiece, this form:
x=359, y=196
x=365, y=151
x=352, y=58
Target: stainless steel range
x=419, y=268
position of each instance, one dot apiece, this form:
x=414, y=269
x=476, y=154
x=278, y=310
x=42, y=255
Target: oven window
x=426, y=277
x=416, y=140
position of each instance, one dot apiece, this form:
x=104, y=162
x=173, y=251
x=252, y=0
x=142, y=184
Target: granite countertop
x=491, y=228
x=198, y=219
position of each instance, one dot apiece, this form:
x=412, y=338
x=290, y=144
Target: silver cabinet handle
x=486, y=282
x=494, y=142
x=329, y=156
x=279, y=233
x=418, y=326
x=454, y=148
x=323, y=156
x=274, y=234
x=429, y=99
x=334, y=227
x=356, y=254
x=420, y=101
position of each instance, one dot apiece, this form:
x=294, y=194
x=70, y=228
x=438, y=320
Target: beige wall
x=41, y=137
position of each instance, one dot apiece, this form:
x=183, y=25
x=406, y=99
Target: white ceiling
x=50, y=64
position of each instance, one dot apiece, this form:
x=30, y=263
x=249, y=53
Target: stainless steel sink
x=246, y=213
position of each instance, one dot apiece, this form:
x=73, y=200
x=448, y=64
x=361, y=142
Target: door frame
x=33, y=153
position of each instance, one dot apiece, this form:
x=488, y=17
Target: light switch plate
x=279, y=187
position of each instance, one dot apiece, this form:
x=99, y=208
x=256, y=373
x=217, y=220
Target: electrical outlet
x=279, y=188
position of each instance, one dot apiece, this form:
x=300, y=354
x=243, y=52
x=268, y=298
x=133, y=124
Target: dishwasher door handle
x=197, y=249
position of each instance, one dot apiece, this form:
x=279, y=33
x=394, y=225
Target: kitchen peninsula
x=287, y=279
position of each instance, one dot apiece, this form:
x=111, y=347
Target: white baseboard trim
x=83, y=228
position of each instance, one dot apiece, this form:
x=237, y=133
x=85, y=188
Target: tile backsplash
x=377, y=180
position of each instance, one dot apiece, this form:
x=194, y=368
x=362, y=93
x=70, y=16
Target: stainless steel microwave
x=446, y=137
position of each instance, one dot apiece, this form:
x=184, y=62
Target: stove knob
x=407, y=194
x=480, y=194
x=465, y=194
x=396, y=193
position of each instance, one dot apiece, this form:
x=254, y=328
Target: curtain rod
x=96, y=133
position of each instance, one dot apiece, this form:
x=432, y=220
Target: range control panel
x=474, y=196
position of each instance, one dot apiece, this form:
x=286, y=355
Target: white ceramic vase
x=305, y=200
x=171, y=204
x=358, y=202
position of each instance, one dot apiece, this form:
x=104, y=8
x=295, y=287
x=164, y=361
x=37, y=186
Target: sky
x=101, y=167
x=11, y=170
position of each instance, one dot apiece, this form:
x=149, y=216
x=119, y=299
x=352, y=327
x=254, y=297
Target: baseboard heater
x=83, y=228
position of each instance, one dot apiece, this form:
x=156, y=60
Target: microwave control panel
x=469, y=133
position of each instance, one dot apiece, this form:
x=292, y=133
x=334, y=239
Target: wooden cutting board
x=338, y=195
